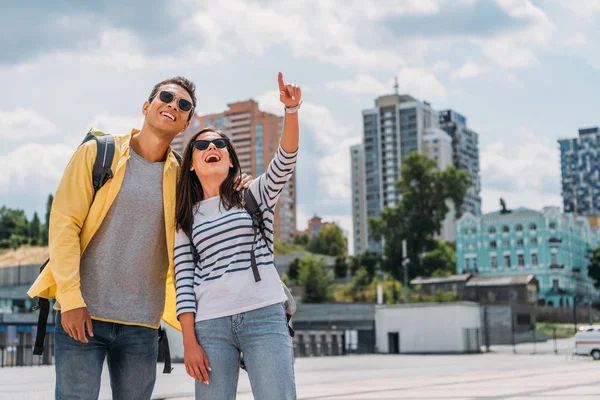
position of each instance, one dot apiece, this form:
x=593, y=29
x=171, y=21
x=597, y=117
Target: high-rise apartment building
x=465, y=149
x=255, y=135
x=437, y=145
x=359, y=214
x=394, y=128
x=580, y=167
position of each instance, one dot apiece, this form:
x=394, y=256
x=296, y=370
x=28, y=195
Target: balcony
x=557, y=266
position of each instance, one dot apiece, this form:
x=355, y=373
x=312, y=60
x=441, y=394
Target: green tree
x=360, y=284
x=340, y=269
x=14, y=228
x=34, y=230
x=594, y=267
x=368, y=260
x=47, y=223
x=417, y=218
x=441, y=261
x=301, y=239
x=294, y=269
x=316, y=279
x=329, y=241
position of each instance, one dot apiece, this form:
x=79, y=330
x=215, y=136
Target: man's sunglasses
x=220, y=143
x=167, y=98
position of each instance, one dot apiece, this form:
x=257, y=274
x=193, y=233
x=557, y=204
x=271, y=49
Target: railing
x=22, y=356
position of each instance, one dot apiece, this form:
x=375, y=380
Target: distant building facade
x=553, y=246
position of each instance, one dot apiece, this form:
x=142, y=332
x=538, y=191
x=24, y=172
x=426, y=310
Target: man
x=111, y=254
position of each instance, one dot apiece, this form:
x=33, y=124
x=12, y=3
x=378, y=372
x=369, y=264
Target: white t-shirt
x=223, y=283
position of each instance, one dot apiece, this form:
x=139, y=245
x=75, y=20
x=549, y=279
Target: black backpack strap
x=258, y=224
x=44, y=306
x=101, y=173
x=164, y=353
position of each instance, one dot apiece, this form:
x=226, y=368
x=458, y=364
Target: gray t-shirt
x=124, y=268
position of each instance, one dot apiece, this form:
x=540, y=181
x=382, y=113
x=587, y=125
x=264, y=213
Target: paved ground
x=496, y=375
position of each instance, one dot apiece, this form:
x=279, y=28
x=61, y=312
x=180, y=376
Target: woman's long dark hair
x=189, y=189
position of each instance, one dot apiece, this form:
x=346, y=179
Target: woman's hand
x=196, y=362
x=289, y=94
x=243, y=182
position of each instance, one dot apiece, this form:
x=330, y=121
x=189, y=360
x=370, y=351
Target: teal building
x=555, y=247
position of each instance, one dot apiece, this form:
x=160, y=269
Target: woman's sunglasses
x=167, y=97
x=220, y=143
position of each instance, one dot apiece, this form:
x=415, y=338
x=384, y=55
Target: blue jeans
x=131, y=353
x=262, y=336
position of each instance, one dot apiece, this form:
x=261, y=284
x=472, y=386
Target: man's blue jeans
x=131, y=353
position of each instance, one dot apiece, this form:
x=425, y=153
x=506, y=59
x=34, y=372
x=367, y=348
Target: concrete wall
x=430, y=327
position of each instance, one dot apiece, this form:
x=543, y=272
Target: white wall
x=426, y=327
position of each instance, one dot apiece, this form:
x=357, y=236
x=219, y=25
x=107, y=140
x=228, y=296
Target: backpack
x=101, y=173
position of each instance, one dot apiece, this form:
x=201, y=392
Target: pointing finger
x=280, y=81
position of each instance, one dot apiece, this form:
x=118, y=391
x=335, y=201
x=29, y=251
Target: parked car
x=587, y=341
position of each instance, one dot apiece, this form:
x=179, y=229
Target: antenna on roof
x=396, y=85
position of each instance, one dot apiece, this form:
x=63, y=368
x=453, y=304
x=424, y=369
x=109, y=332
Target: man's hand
x=75, y=322
x=243, y=181
x=196, y=362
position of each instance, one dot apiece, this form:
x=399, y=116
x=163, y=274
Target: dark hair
x=184, y=83
x=189, y=190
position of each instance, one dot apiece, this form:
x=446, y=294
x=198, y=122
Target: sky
x=524, y=73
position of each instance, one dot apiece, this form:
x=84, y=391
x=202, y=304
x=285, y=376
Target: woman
x=222, y=309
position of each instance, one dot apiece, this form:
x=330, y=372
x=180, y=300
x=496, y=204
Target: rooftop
x=503, y=280
x=424, y=280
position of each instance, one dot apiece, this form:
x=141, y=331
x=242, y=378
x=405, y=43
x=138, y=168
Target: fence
x=22, y=356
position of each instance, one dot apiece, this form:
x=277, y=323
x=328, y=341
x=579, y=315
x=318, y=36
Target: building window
x=534, y=259
x=493, y=262
x=519, y=228
x=520, y=242
x=507, y=261
x=534, y=241
x=475, y=263
x=505, y=243
x=493, y=244
x=554, y=258
x=467, y=263
x=552, y=225
x=492, y=230
x=505, y=229
x=532, y=227
x=521, y=260
x=208, y=121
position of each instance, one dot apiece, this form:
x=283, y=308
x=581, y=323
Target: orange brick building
x=255, y=135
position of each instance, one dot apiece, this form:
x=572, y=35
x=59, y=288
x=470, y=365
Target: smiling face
x=164, y=117
x=213, y=162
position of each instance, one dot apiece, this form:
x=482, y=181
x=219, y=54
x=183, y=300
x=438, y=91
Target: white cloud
x=421, y=83
x=325, y=31
x=577, y=41
x=525, y=170
x=517, y=49
x=115, y=124
x=585, y=9
x=361, y=84
x=469, y=70
x=32, y=165
x=508, y=54
x=20, y=125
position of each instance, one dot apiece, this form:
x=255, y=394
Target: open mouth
x=213, y=158
x=168, y=115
